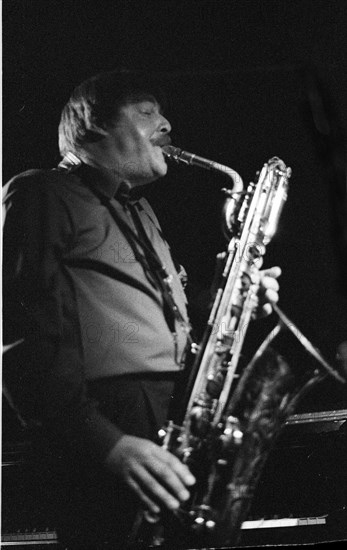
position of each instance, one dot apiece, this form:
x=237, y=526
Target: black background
x=242, y=77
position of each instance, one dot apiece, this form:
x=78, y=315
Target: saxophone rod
x=178, y=155
x=307, y=344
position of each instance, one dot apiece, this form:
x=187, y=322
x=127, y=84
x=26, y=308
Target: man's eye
x=146, y=112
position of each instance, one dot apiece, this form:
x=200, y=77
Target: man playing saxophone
x=100, y=333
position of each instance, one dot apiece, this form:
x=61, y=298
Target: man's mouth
x=162, y=141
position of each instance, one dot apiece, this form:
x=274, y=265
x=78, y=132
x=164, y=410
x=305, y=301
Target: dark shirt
x=79, y=299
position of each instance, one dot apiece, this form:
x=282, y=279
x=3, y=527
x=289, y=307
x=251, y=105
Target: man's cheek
x=141, y=145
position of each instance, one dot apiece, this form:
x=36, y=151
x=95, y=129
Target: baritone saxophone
x=229, y=416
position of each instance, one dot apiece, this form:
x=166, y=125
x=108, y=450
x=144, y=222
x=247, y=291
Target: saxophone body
x=229, y=416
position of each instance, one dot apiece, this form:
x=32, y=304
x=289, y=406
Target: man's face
x=136, y=139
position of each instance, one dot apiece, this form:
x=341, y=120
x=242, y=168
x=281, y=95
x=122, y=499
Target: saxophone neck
x=184, y=157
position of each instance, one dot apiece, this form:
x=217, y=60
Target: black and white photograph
x=174, y=274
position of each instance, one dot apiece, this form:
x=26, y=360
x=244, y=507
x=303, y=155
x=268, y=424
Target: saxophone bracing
x=229, y=416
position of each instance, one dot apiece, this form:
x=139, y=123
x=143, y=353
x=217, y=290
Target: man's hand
x=268, y=291
x=156, y=476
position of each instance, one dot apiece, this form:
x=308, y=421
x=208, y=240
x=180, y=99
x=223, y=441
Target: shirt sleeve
x=44, y=372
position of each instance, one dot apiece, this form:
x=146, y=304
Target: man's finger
x=271, y=296
x=172, y=473
x=148, y=502
x=154, y=489
x=274, y=272
x=266, y=310
x=181, y=470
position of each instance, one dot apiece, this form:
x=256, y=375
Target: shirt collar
x=103, y=179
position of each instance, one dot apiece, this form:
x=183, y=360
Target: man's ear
x=98, y=130
x=95, y=133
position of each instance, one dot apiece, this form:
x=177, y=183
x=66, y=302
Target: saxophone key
x=232, y=435
x=200, y=420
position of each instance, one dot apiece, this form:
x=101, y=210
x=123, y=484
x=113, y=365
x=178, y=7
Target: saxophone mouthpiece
x=171, y=152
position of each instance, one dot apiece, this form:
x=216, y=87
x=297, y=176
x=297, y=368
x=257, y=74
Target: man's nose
x=165, y=126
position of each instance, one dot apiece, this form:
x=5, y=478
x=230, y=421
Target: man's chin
x=146, y=180
x=158, y=171
x=147, y=174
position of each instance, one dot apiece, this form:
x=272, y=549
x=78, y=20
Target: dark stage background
x=246, y=80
